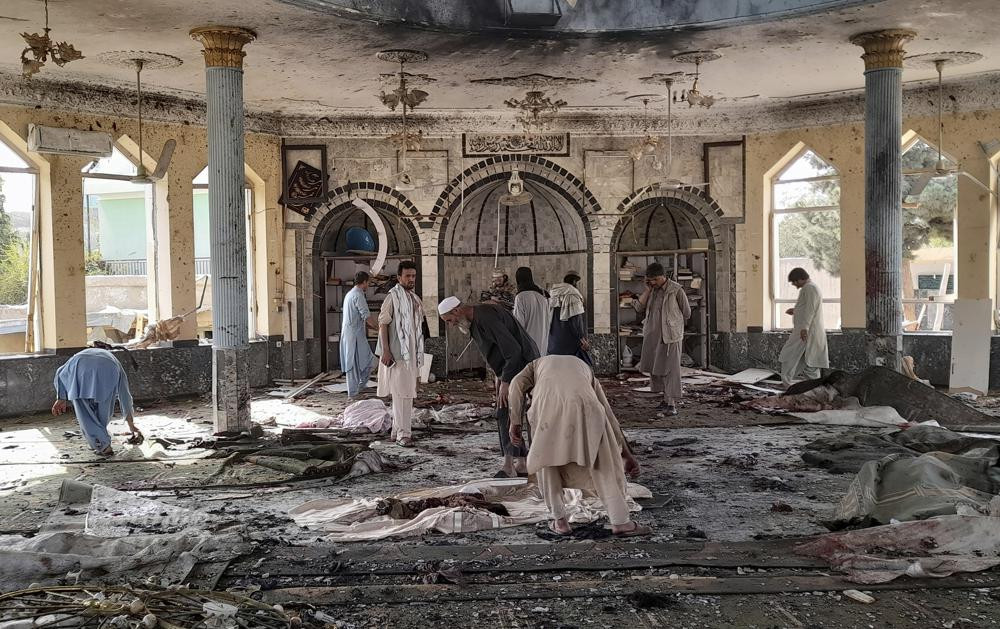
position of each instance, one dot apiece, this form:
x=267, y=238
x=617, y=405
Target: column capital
x=223, y=44
x=883, y=49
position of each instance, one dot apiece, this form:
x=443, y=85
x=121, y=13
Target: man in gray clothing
x=508, y=349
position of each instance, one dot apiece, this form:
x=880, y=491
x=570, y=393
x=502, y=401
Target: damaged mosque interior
x=515, y=313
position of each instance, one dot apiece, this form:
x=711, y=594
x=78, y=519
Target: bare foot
x=560, y=526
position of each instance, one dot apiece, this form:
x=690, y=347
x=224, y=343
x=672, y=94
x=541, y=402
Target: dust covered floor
x=730, y=491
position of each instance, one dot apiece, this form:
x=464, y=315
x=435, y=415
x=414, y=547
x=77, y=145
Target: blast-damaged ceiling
x=318, y=61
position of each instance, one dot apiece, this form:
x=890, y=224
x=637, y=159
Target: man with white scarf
x=401, y=350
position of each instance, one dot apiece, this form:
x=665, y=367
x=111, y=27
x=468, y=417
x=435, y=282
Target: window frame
x=249, y=196
x=933, y=300
x=777, y=303
x=32, y=327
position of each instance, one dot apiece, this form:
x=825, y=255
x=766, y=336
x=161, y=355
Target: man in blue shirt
x=356, y=357
x=93, y=380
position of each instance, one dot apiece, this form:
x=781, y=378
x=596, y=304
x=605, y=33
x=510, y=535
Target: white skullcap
x=448, y=304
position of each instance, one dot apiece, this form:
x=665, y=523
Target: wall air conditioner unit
x=68, y=141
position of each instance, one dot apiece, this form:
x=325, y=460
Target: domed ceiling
x=569, y=16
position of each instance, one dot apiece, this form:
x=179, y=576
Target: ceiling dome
x=557, y=16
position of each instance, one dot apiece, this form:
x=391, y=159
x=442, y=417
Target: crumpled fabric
x=357, y=519
x=113, y=536
x=938, y=547
x=365, y=415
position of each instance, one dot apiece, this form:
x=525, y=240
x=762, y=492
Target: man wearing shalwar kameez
x=356, y=357
x=531, y=309
x=576, y=441
x=93, y=380
x=667, y=309
x=805, y=351
x=507, y=348
x=401, y=350
x=568, y=328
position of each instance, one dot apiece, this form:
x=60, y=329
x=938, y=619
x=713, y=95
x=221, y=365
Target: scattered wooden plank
x=749, y=376
x=294, y=393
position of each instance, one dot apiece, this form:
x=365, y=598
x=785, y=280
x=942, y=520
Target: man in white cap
x=401, y=350
x=507, y=348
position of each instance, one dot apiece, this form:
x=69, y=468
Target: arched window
x=18, y=202
x=805, y=228
x=929, y=255
x=203, y=254
x=116, y=225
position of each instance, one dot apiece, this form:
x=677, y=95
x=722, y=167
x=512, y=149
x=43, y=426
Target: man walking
x=667, y=309
x=401, y=350
x=356, y=357
x=507, y=348
x=805, y=351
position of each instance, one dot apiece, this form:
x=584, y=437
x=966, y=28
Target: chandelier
x=404, y=97
x=536, y=106
x=649, y=143
x=42, y=48
x=693, y=97
x=532, y=107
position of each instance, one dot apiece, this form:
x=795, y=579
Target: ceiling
x=320, y=60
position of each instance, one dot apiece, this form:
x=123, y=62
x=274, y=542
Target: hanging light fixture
x=516, y=194
x=649, y=143
x=533, y=110
x=405, y=98
x=693, y=97
x=42, y=48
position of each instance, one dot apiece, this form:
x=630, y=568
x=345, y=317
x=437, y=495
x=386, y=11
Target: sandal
x=106, y=452
x=552, y=527
x=637, y=530
x=405, y=442
x=501, y=474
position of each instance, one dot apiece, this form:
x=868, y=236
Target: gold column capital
x=883, y=49
x=223, y=44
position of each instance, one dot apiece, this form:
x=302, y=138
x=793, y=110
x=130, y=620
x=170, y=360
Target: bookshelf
x=690, y=268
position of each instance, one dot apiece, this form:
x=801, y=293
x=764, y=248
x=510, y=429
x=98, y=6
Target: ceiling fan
x=941, y=168
x=669, y=80
x=140, y=60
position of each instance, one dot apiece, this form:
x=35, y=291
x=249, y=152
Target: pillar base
x=884, y=351
x=231, y=389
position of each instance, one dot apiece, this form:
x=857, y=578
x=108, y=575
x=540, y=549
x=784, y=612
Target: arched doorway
x=682, y=229
x=549, y=233
x=333, y=261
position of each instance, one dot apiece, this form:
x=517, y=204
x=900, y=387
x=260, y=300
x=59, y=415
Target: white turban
x=448, y=304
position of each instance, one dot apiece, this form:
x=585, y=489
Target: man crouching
x=576, y=441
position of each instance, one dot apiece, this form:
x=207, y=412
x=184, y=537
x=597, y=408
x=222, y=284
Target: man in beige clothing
x=576, y=441
x=666, y=307
x=401, y=350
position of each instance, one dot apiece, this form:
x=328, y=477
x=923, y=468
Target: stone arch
x=704, y=219
x=539, y=174
x=398, y=212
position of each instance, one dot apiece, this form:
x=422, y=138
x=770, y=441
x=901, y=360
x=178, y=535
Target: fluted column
x=223, y=51
x=883, y=59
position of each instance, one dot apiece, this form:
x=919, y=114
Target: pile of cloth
x=98, y=534
x=876, y=397
x=451, y=509
x=363, y=416
x=925, y=502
